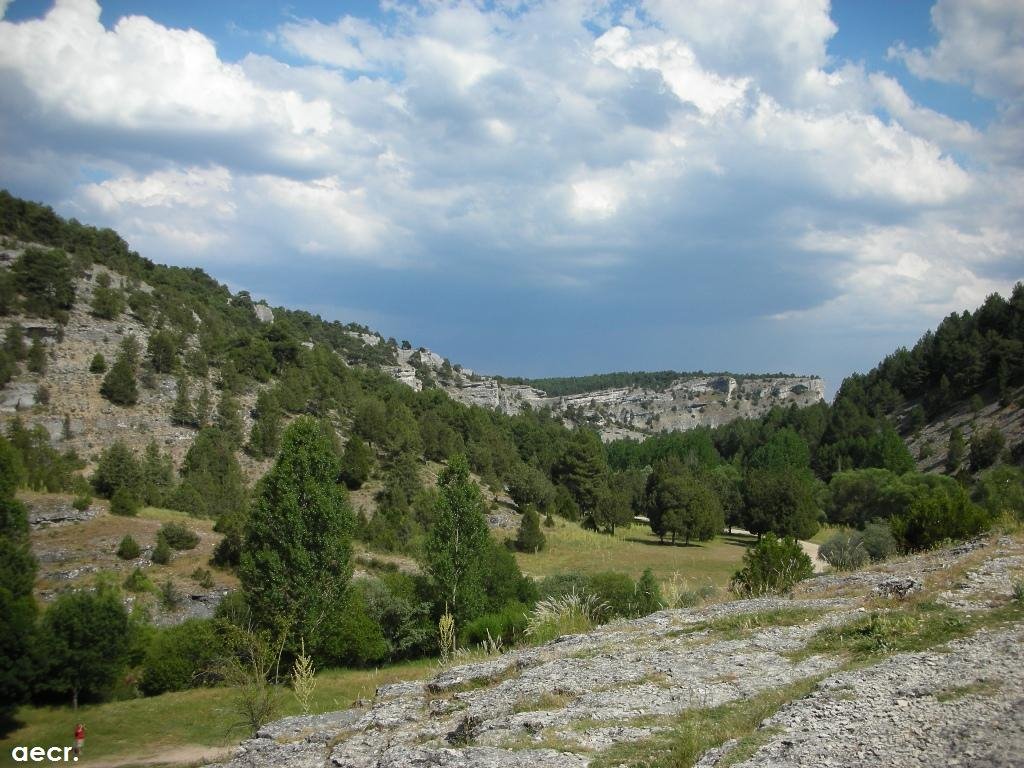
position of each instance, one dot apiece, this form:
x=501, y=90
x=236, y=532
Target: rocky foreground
x=825, y=674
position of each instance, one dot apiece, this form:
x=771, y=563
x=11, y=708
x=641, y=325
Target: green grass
x=916, y=627
x=742, y=624
x=696, y=731
x=138, y=728
x=826, y=532
x=631, y=550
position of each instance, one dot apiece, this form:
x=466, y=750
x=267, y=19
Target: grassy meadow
x=573, y=549
x=199, y=722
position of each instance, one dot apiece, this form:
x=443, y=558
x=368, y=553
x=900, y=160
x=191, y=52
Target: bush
x=937, y=515
x=985, y=448
x=351, y=637
x=138, y=581
x=878, y=541
x=124, y=502
x=178, y=536
x=771, y=566
x=82, y=503
x=228, y=551
x=615, y=591
x=203, y=577
x=170, y=597
x=845, y=551
x=129, y=548
x=162, y=552
x=98, y=364
x=507, y=625
x=181, y=657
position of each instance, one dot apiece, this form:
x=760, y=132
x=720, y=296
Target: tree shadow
x=667, y=543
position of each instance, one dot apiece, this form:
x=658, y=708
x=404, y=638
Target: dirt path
x=809, y=547
x=187, y=754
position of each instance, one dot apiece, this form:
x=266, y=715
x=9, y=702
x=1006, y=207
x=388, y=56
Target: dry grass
x=89, y=547
x=631, y=550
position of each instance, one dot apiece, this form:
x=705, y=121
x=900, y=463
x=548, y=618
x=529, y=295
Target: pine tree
x=955, y=452
x=229, y=417
x=203, y=407
x=182, y=413
x=98, y=364
x=265, y=436
x=119, y=386
x=530, y=537
x=294, y=566
x=356, y=462
x=37, y=357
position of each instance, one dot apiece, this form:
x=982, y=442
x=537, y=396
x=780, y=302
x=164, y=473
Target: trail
x=809, y=547
x=186, y=754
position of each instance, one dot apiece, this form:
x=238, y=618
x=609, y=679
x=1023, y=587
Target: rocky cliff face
x=687, y=403
x=623, y=694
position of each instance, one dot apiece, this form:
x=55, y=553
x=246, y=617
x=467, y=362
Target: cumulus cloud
x=981, y=44
x=706, y=160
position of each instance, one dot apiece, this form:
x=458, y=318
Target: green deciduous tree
x=295, y=559
x=457, y=542
x=85, y=638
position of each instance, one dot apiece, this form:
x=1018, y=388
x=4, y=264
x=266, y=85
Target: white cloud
x=558, y=142
x=981, y=44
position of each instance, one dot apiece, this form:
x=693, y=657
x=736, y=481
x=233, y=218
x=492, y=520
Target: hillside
x=914, y=662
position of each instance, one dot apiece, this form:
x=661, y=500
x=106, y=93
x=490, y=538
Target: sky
x=545, y=187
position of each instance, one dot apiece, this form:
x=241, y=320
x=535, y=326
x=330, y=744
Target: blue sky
x=547, y=188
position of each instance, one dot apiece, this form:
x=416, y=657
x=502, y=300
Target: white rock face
x=687, y=403
x=263, y=313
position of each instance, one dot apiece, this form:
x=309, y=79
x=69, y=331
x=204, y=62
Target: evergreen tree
x=781, y=501
x=682, y=505
x=581, y=468
x=203, y=407
x=456, y=545
x=107, y=303
x=356, y=462
x=156, y=476
x=98, y=364
x=265, y=436
x=162, y=350
x=530, y=537
x=14, y=341
x=986, y=446
x=295, y=559
x=612, y=509
x=229, y=418
x=17, y=577
x=211, y=479
x=43, y=277
x=182, y=413
x=117, y=468
x=119, y=386
x=955, y=452
x=37, y=357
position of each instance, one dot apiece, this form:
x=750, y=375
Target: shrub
x=170, y=597
x=98, y=364
x=82, y=503
x=985, y=448
x=203, y=577
x=647, y=596
x=129, y=548
x=228, y=550
x=937, y=515
x=162, y=552
x=878, y=541
x=138, y=581
x=845, y=551
x=507, y=625
x=615, y=591
x=351, y=637
x=124, y=502
x=178, y=536
x=771, y=566
x=181, y=657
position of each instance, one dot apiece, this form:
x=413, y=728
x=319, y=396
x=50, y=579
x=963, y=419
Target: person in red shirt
x=79, y=739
